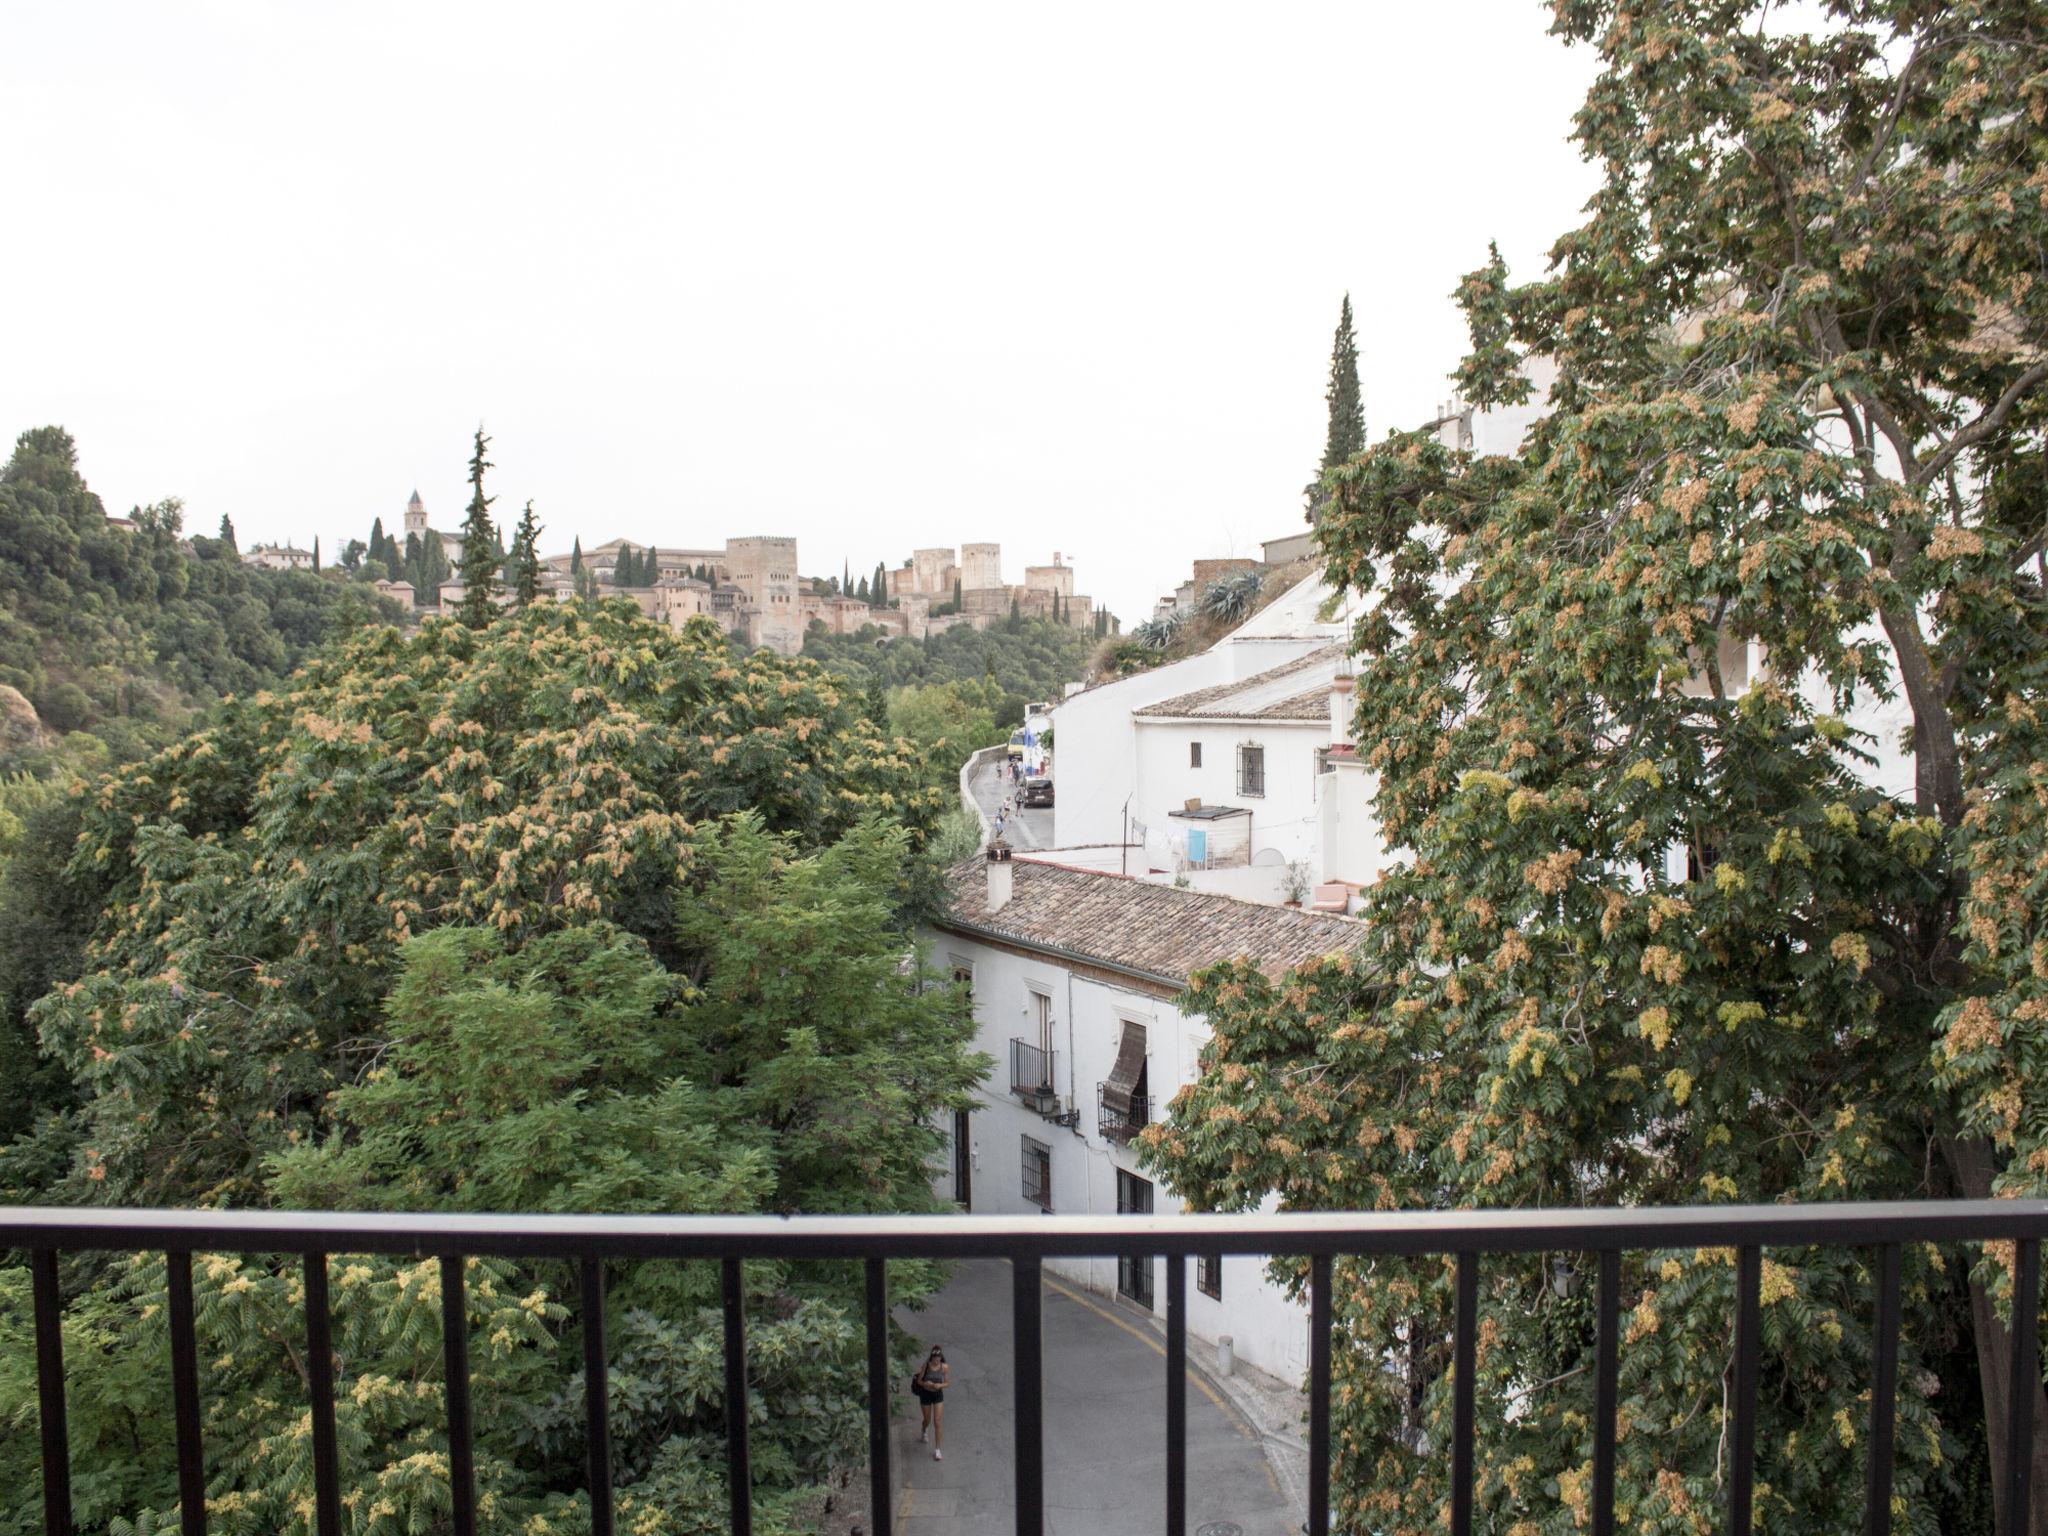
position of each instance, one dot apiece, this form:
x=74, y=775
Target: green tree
x=1344, y=436
x=878, y=587
x=1661, y=937
x=576, y=557
x=481, y=555
x=227, y=533
x=862, y=591
x=525, y=559
x=316, y=552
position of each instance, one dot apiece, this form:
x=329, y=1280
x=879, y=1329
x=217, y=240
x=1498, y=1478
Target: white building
x=278, y=557
x=1230, y=766
x=1075, y=976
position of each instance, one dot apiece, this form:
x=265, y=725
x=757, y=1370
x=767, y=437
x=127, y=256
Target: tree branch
x=1984, y=425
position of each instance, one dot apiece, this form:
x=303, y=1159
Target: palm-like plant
x=1231, y=598
x=1157, y=634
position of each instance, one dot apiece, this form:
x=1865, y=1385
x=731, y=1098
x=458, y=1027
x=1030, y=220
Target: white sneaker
x=937, y=1454
x=924, y=1436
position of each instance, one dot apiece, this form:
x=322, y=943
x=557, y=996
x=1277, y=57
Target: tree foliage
x=481, y=556
x=573, y=912
x=1666, y=933
x=123, y=632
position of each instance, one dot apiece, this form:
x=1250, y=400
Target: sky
x=878, y=276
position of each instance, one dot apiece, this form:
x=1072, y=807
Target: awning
x=1122, y=1087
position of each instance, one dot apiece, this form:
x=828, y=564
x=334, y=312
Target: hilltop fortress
x=751, y=588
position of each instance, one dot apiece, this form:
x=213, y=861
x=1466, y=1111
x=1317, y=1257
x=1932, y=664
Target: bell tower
x=416, y=515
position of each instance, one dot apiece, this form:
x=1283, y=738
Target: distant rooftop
x=1295, y=690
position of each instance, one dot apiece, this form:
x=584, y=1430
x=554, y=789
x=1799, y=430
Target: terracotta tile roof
x=1296, y=690
x=1158, y=929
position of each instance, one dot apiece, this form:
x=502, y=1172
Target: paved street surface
x=1027, y=828
x=1105, y=1417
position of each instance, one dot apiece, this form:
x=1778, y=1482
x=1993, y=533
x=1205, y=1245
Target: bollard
x=1226, y=1355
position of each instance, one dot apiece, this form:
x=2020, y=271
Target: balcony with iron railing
x=1119, y=1115
x=1031, y=1076
x=1471, y=1238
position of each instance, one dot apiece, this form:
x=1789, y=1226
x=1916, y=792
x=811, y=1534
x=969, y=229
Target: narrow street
x=1104, y=1416
x=1026, y=828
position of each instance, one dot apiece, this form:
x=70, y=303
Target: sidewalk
x=1105, y=1413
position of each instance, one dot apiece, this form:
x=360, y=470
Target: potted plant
x=1294, y=883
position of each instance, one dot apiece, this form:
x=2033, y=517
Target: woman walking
x=930, y=1386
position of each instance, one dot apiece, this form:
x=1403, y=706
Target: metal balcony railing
x=1120, y=1116
x=1469, y=1235
x=1031, y=1075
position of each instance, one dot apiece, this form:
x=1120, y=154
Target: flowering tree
x=1663, y=934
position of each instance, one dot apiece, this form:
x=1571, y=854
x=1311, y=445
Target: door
x=1134, y=1272
x=963, y=1161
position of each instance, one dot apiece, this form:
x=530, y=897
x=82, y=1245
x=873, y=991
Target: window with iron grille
x=1251, y=771
x=1038, y=1173
x=1209, y=1274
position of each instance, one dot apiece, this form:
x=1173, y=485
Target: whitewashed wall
x=1284, y=821
x=1268, y=1331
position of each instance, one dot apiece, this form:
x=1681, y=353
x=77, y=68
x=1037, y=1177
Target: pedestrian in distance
x=929, y=1386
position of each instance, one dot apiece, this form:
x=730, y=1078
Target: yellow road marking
x=1236, y=1419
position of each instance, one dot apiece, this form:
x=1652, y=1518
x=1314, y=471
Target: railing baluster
x=185, y=1395
x=738, y=1475
x=1319, y=1395
x=49, y=1303
x=320, y=1398
x=1176, y=1394
x=597, y=1423
x=461, y=1433
x=1877, y=1498
x=2024, y=1378
x=1742, y=1439
x=1606, y=1390
x=1464, y=1355
x=1028, y=1371
x=880, y=1501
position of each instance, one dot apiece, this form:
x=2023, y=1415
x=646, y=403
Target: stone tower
x=416, y=515
x=981, y=566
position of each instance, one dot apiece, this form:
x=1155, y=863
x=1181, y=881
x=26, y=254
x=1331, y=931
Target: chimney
x=1341, y=689
x=1000, y=874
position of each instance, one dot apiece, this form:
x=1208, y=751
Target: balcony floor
x=1105, y=1425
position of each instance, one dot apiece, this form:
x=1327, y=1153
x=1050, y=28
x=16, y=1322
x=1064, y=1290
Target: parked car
x=1037, y=791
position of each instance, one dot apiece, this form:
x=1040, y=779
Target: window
x=963, y=976
x=1038, y=1173
x=1251, y=771
x=1209, y=1274
x=1194, y=754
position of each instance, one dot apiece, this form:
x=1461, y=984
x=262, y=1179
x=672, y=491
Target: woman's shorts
x=928, y=1396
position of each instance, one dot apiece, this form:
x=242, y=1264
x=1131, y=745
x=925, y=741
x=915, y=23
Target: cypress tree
x=956, y=594
x=227, y=533
x=525, y=559
x=1345, y=436
x=576, y=557
x=316, y=551
x=376, y=551
x=877, y=703
x=653, y=565
x=862, y=594
x=878, y=593
x=480, y=553
x=1016, y=613
x=846, y=578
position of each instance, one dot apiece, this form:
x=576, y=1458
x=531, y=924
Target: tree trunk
x=1971, y=1164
